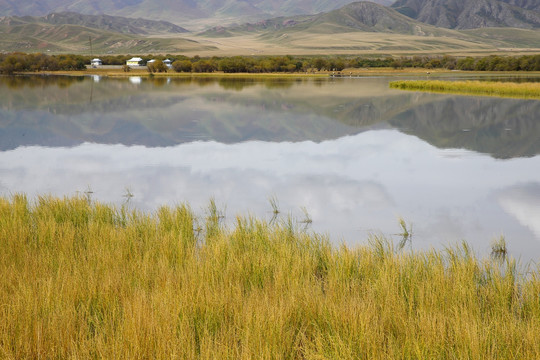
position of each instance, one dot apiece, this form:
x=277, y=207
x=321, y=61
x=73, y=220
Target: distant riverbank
x=353, y=72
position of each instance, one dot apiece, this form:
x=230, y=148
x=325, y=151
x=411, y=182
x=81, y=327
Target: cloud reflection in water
x=351, y=186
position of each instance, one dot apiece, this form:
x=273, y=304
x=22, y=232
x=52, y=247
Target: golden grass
x=488, y=88
x=82, y=280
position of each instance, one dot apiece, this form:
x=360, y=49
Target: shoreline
x=341, y=74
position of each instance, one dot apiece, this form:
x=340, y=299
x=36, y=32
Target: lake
x=350, y=154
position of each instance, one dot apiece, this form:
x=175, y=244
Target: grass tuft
x=81, y=279
x=487, y=88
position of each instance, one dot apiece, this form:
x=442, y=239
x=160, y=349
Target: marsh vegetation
x=81, y=279
x=491, y=88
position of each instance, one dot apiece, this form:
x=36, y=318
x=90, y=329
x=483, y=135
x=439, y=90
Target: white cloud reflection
x=351, y=186
x=523, y=202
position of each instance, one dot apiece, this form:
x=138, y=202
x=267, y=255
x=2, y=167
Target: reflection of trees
x=280, y=83
x=159, y=81
x=236, y=84
x=181, y=81
x=71, y=95
x=232, y=83
x=19, y=82
x=204, y=81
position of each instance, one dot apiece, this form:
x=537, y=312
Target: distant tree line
x=21, y=62
x=251, y=64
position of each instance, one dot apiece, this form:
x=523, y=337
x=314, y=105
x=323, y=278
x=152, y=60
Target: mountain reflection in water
x=341, y=148
x=66, y=111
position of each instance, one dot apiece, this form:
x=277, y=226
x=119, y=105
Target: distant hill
x=358, y=16
x=365, y=28
x=117, y=24
x=473, y=14
x=177, y=11
x=69, y=32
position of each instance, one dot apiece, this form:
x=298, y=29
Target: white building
x=135, y=61
x=96, y=62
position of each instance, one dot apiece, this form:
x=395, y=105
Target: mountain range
x=472, y=14
x=177, y=11
x=373, y=28
x=72, y=32
x=404, y=27
x=358, y=16
x=454, y=14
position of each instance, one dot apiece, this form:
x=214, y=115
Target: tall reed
x=82, y=280
x=489, y=88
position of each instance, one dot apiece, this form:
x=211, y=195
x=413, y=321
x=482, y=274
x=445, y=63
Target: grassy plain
x=489, y=88
x=79, y=279
x=364, y=43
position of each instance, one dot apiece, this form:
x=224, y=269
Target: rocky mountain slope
x=525, y=4
x=358, y=16
x=472, y=14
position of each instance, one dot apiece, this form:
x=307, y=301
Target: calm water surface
x=352, y=152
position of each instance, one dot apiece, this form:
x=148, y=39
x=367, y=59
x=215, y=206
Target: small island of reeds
x=527, y=90
x=84, y=280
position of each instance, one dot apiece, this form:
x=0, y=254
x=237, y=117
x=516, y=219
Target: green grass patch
x=80, y=279
x=487, y=88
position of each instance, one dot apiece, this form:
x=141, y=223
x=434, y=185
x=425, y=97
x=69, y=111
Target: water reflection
x=355, y=153
x=351, y=186
x=163, y=112
x=523, y=202
x=136, y=80
x=503, y=128
x=19, y=82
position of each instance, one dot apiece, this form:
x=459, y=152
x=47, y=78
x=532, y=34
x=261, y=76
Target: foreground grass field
x=82, y=280
x=489, y=88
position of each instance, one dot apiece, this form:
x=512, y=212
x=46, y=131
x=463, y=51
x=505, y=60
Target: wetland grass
x=489, y=88
x=82, y=280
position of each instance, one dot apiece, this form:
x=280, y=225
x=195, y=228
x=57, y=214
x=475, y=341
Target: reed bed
x=488, y=88
x=84, y=280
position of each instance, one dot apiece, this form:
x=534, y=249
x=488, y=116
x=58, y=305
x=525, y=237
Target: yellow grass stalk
x=79, y=279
